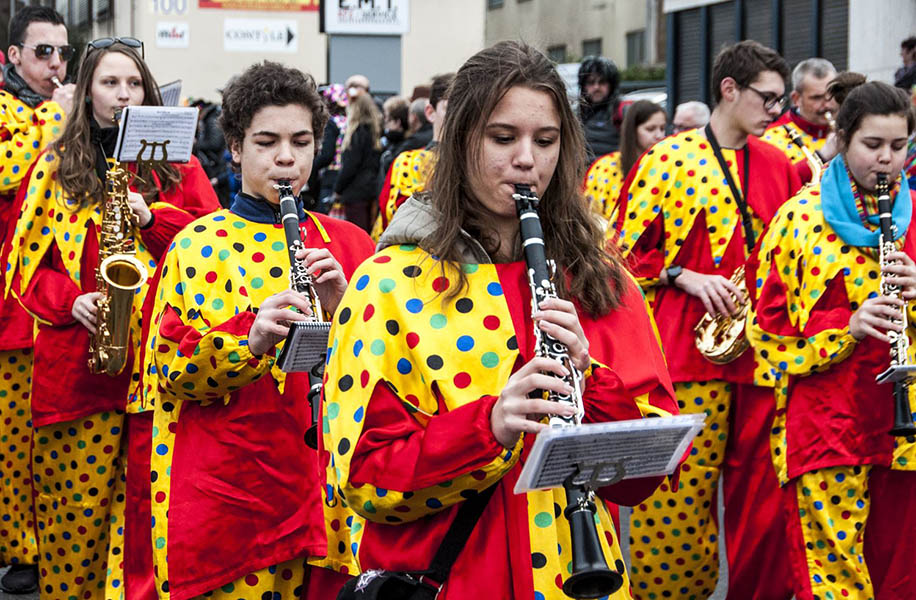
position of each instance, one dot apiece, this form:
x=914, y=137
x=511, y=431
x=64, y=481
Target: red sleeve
x=51, y=293
x=396, y=452
x=803, y=172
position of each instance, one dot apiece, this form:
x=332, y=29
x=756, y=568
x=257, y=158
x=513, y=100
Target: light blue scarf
x=839, y=206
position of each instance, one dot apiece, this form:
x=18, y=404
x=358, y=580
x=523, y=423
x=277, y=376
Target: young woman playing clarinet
x=829, y=302
x=433, y=348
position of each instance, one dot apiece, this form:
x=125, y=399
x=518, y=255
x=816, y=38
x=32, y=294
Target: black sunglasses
x=107, y=42
x=44, y=51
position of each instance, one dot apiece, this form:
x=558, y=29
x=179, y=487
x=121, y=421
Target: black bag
x=378, y=584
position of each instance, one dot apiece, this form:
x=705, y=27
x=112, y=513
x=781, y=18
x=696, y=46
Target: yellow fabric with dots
x=50, y=217
x=209, y=281
x=674, y=538
x=807, y=254
x=408, y=176
x=24, y=133
x=17, y=512
x=834, y=531
x=602, y=185
x=405, y=282
x=665, y=170
x=779, y=137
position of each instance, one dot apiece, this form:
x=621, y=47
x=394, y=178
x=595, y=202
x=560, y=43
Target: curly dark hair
x=269, y=84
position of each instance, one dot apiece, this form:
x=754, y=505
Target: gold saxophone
x=721, y=338
x=118, y=276
x=814, y=160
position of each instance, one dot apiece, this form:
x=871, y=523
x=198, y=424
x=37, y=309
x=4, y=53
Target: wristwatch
x=673, y=273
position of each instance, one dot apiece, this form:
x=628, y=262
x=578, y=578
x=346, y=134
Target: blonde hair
x=362, y=111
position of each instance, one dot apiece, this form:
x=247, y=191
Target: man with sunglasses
x=691, y=210
x=33, y=110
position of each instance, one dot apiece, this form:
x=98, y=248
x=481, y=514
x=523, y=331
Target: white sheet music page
x=170, y=93
x=606, y=451
x=155, y=133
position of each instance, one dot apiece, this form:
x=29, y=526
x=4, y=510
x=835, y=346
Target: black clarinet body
x=591, y=577
x=300, y=281
x=900, y=372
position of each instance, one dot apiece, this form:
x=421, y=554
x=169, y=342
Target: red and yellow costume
x=78, y=459
x=844, y=477
x=411, y=380
x=602, y=185
x=406, y=176
x=24, y=133
x=677, y=209
x=236, y=492
x=812, y=135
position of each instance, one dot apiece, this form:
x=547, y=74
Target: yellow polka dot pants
x=277, y=582
x=828, y=556
x=78, y=471
x=17, y=515
x=674, y=537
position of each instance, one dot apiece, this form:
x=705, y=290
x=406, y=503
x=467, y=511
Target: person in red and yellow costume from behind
x=691, y=211
x=411, y=169
x=86, y=496
x=33, y=111
x=809, y=117
x=823, y=319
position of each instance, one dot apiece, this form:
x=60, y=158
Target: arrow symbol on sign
x=289, y=35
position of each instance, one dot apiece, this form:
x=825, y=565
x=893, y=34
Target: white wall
x=443, y=34
x=876, y=28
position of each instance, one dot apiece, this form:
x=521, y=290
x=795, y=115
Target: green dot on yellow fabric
x=386, y=285
x=222, y=254
x=489, y=360
x=217, y=304
x=438, y=321
x=185, y=243
x=333, y=410
x=469, y=268
x=277, y=246
x=543, y=519
x=257, y=283
x=368, y=507
x=238, y=224
x=234, y=357
x=377, y=347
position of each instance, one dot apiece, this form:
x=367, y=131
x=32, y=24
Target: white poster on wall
x=172, y=35
x=261, y=35
x=367, y=17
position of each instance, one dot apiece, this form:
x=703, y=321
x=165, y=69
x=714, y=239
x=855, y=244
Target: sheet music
x=170, y=93
x=639, y=447
x=306, y=345
x=156, y=132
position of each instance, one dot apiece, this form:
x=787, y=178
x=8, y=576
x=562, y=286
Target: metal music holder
x=152, y=161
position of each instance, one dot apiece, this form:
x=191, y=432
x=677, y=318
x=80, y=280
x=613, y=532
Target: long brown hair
x=637, y=113
x=362, y=111
x=571, y=234
x=76, y=173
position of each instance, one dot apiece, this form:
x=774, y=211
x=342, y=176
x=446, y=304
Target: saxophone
x=590, y=576
x=119, y=275
x=721, y=338
x=900, y=373
x=814, y=160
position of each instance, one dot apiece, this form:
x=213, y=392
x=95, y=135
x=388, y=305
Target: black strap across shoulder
x=458, y=533
x=740, y=199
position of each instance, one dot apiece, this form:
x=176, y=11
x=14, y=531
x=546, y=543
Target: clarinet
x=300, y=281
x=900, y=372
x=591, y=577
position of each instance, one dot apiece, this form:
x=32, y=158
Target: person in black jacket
x=598, y=103
x=355, y=185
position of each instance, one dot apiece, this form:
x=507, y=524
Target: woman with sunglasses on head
x=643, y=125
x=433, y=348
x=822, y=321
x=78, y=456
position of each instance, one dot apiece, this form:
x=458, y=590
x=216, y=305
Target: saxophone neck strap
x=740, y=195
x=458, y=533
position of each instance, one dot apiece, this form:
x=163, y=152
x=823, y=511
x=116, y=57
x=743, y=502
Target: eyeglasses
x=769, y=98
x=44, y=51
x=107, y=42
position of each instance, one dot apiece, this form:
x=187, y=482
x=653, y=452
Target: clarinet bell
x=591, y=577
